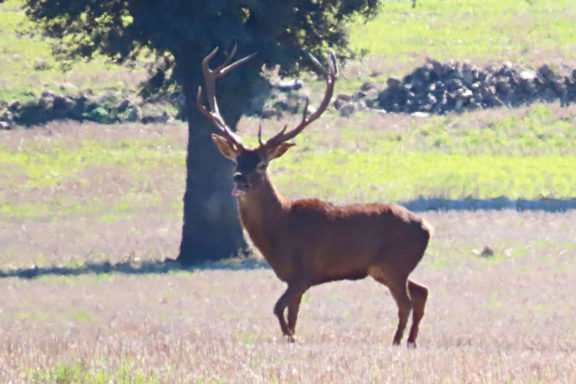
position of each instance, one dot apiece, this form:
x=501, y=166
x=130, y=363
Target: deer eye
x=262, y=167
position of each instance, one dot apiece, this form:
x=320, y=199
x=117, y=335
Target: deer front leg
x=291, y=298
x=293, y=308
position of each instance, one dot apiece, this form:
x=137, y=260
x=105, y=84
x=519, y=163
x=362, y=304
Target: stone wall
x=108, y=108
x=438, y=88
x=434, y=88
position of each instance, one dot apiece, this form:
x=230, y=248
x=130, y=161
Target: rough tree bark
x=211, y=228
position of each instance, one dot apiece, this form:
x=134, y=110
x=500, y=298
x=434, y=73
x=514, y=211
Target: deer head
x=251, y=163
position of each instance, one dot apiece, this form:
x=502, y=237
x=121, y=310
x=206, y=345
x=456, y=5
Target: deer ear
x=224, y=147
x=279, y=150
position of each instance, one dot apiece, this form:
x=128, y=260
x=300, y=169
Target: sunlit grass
x=54, y=162
x=527, y=153
x=392, y=176
x=27, y=66
x=478, y=30
x=108, y=178
x=90, y=372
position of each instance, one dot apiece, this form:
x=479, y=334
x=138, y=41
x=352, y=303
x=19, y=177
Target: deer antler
x=331, y=74
x=210, y=76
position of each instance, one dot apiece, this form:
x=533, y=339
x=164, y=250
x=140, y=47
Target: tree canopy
x=180, y=33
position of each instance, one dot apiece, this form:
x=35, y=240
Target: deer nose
x=240, y=178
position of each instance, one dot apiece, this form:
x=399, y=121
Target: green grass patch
x=49, y=163
x=81, y=316
x=393, y=176
x=32, y=316
x=538, y=130
x=476, y=30
x=26, y=62
x=106, y=178
x=70, y=372
x=526, y=153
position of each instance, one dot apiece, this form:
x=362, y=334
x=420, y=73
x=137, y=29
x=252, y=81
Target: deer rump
x=323, y=242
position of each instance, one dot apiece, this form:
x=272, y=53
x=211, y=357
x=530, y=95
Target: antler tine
x=211, y=116
x=210, y=76
x=305, y=111
x=333, y=63
x=260, y=134
x=237, y=63
x=218, y=121
x=228, y=58
x=331, y=74
x=317, y=63
x=224, y=68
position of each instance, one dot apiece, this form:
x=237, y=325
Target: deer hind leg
x=419, y=295
x=398, y=286
x=293, y=308
x=400, y=293
x=291, y=297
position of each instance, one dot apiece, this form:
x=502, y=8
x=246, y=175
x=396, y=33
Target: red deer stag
x=310, y=242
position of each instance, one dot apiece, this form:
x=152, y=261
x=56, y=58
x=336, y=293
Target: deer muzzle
x=241, y=185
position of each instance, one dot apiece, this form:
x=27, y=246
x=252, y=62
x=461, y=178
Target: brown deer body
x=310, y=242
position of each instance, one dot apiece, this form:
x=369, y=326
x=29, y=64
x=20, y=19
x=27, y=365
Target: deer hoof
x=411, y=345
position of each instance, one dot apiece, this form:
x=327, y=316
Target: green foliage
x=179, y=33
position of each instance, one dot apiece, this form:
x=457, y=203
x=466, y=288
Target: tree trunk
x=211, y=229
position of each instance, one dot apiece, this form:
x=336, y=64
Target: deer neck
x=262, y=210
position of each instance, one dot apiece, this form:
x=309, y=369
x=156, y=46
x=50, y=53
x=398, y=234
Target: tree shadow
x=154, y=267
x=158, y=267
x=496, y=204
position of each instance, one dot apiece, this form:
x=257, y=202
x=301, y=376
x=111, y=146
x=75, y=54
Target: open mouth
x=240, y=188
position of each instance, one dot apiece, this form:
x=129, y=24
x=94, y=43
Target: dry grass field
x=88, y=294
x=505, y=318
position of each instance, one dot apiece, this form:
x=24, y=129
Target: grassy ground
x=506, y=318
x=27, y=66
x=518, y=154
x=67, y=187
x=482, y=31
x=67, y=176
x=93, y=213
